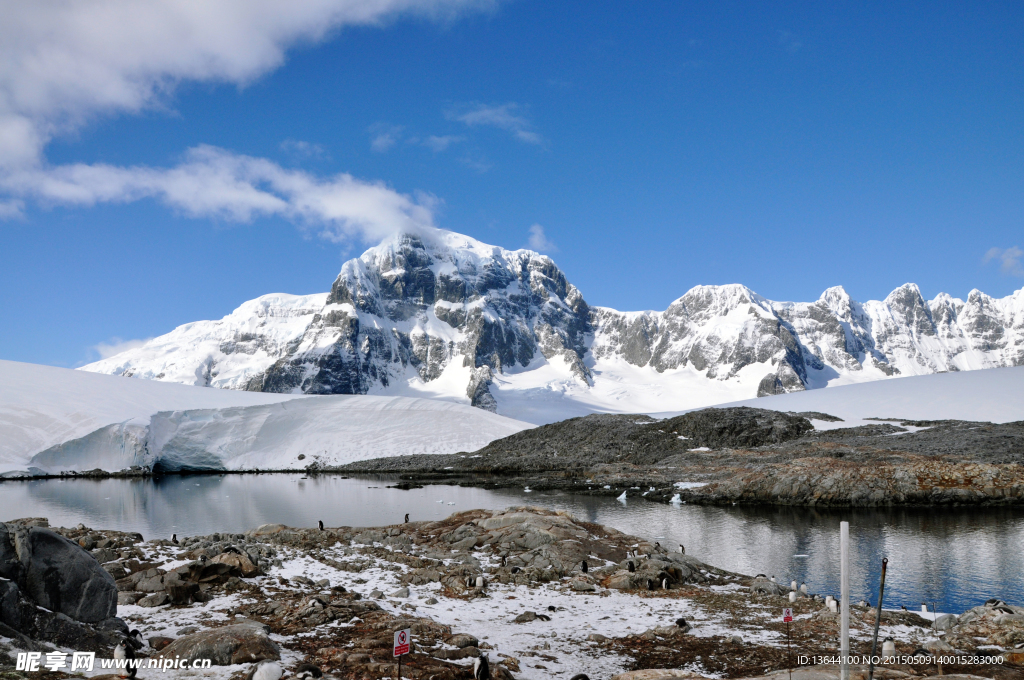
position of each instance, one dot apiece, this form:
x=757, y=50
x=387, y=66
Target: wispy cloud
x=440, y=143
x=301, y=149
x=1009, y=259
x=383, y=136
x=478, y=163
x=790, y=42
x=539, y=240
x=11, y=209
x=64, y=63
x=214, y=182
x=504, y=116
x=115, y=346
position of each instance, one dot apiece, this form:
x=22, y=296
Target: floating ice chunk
x=622, y=497
x=676, y=499
x=689, y=485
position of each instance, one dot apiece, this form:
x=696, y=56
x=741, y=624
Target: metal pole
x=844, y=600
x=878, y=620
x=789, y=651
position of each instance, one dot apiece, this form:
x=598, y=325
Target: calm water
x=953, y=558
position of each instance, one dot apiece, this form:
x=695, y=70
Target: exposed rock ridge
x=421, y=306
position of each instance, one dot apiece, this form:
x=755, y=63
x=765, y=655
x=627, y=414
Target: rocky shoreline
x=743, y=455
x=507, y=584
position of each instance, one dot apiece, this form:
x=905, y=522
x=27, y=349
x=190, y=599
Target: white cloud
x=384, y=136
x=301, y=149
x=11, y=209
x=116, y=346
x=440, y=143
x=1009, y=259
x=504, y=116
x=539, y=241
x=214, y=182
x=63, y=63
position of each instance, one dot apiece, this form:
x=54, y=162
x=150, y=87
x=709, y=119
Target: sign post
x=844, y=600
x=787, y=616
x=402, y=639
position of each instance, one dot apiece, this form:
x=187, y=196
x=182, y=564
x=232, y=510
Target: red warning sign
x=787, y=616
x=402, y=638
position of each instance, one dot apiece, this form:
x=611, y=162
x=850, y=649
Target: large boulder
x=241, y=562
x=239, y=643
x=57, y=574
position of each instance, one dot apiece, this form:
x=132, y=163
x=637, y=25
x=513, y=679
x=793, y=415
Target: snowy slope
x=56, y=419
x=995, y=395
x=441, y=315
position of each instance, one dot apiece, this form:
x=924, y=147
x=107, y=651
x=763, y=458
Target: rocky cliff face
x=440, y=314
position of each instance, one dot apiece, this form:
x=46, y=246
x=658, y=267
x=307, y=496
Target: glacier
x=56, y=420
x=440, y=315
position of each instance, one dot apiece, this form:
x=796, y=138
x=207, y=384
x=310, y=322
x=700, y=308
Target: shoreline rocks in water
x=508, y=584
x=743, y=455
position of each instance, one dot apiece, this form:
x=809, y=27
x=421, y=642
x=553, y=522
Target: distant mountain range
x=441, y=315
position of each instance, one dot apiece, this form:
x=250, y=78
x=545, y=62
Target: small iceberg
x=622, y=497
x=676, y=500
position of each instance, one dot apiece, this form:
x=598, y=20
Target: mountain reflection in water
x=954, y=557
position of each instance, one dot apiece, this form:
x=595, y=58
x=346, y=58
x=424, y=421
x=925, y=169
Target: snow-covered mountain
x=441, y=315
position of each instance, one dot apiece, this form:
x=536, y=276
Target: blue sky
x=659, y=145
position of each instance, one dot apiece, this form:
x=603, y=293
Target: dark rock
x=62, y=577
x=239, y=643
x=182, y=593
x=159, y=642
x=463, y=640
x=154, y=600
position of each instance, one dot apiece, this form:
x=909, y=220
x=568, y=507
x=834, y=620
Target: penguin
x=792, y=586
x=552, y=608
x=682, y=549
x=232, y=549
x=664, y=584
x=657, y=546
x=583, y=566
x=306, y=671
x=504, y=561
x=135, y=637
x=406, y=518
x=650, y=584
x=174, y=539
x=320, y=524
x=888, y=648
x=580, y=676
x=479, y=581
x=481, y=668
x=903, y=607
x=202, y=559
x=760, y=576
x=631, y=566
x=772, y=579
x=516, y=570
x=265, y=670
x=792, y=596
x=124, y=650
x=803, y=588
x=543, y=617
x=683, y=625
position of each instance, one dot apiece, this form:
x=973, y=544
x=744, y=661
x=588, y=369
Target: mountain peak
x=436, y=313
